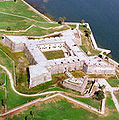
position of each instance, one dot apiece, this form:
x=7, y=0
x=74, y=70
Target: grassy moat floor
x=54, y=54
x=61, y=109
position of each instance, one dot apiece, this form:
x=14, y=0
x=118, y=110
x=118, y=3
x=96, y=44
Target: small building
x=77, y=84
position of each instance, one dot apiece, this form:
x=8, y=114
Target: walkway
x=50, y=97
x=110, y=89
x=58, y=27
x=45, y=93
x=26, y=95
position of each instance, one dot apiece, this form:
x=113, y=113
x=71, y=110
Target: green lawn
x=60, y=110
x=19, y=8
x=18, y=23
x=117, y=95
x=15, y=23
x=2, y=96
x=113, y=82
x=35, y=31
x=2, y=90
x=90, y=101
x=109, y=102
x=83, y=48
x=78, y=74
x=14, y=100
x=6, y=61
x=87, y=44
x=54, y=54
x=72, y=26
x=82, y=27
x=47, y=25
x=2, y=77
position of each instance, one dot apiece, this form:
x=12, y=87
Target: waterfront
x=103, y=16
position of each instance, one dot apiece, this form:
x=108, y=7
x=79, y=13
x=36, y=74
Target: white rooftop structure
x=17, y=39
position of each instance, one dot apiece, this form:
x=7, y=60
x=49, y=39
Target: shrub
x=99, y=95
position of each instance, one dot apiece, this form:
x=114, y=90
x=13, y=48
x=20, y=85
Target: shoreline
x=115, y=63
x=36, y=11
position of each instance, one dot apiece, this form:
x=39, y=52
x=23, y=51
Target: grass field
x=6, y=61
x=117, y=95
x=19, y=23
x=87, y=46
x=2, y=89
x=72, y=26
x=113, y=82
x=78, y=74
x=86, y=42
x=18, y=16
x=2, y=96
x=90, y=101
x=2, y=76
x=15, y=23
x=62, y=110
x=109, y=102
x=14, y=100
x=82, y=27
x=19, y=8
x=54, y=54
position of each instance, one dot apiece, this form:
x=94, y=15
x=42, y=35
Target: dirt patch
x=53, y=100
x=71, y=94
x=75, y=105
x=106, y=112
x=15, y=113
x=46, y=32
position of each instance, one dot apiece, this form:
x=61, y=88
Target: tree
x=109, y=55
x=103, y=87
x=100, y=55
x=59, y=22
x=86, y=34
x=64, y=18
x=61, y=19
x=8, y=28
x=82, y=21
x=104, y=53
x=99, y=95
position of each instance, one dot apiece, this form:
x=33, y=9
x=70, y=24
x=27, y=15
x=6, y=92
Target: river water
x=102, y=15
